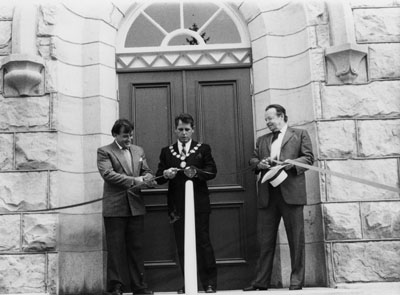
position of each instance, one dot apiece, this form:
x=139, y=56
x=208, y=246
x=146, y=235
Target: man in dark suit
x=184, y=160
x=124, y=169
x=284, y=201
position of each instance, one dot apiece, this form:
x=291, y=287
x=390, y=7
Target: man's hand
x=190, y=172
x=170, y=173
x=263, y=164
x=138, y=182
x=287, y=166
x=148, y=179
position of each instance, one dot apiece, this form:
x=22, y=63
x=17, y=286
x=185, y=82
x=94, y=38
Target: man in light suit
x=196, y=161
x=124, y=169
x=284, y=201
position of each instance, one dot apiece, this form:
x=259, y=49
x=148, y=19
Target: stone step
x=284, y=291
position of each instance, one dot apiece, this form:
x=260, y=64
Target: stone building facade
x=334, y=65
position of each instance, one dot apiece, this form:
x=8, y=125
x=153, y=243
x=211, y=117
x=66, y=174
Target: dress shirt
x=127, y=155
x=187, y=146
x=276, y=145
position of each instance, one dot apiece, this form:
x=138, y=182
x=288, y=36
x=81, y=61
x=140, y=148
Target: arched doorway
x=175, y=57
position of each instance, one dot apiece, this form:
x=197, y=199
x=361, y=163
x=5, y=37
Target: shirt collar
x=284, y=128
x=188, y=144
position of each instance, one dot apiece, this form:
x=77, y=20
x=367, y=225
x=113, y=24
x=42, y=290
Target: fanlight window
x=181, y=26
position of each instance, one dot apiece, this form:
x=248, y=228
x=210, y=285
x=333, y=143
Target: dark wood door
x=220, y=103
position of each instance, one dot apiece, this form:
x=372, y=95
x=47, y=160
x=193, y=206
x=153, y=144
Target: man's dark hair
x=185, y=118
x=122, y=125
x=280, y=110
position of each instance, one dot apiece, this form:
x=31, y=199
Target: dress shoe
x=295, y=287
x=117, y=290
x=254, y=288
x=210, y=289
x=181, y=290
x=143, y=292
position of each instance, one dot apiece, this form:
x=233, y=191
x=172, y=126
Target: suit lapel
x=289, y=133
x=121, y=158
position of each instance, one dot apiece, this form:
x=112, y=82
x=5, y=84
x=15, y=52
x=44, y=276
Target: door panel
x=220, y=103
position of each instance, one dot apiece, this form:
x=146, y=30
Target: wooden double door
x=220, y=102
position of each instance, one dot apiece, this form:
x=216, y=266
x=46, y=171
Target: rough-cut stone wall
x=48, y=152
x=287, y=39
x=359, y=134
x=28, y=159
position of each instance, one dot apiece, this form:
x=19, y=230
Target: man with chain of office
x=190, y=160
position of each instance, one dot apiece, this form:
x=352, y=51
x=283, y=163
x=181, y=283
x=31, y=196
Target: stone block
x=6, y=152
x=278, y=46
x=24, y=113
x=6, y=11
x=382, y=171
x=52, y=273
x=342, y=221
x=249, y=10
x=5, y=37
x=316, y=12
x=81, y=232
x=36, y=150
x=74, y=28
x=337, y=139
x=10, y=232
x=261, y=75
x=95, y=80
x=315, y=273
x=51, y=74
x=377, y=99
x=372, y=3
x=105, y=12
x=371, y=288
x=313, y=224
x=22, y=273
x=384, y=62
x=290, y=72
x=81, y=272
x=294, y=15
x=39, y=232
x=69, y=114
x=85, y=54
x=48, y=18
x=366, y=261
x=70, y=152
x=45, y=47
x=257, y=27
x=381, y=220
x=323, y=36
x=73, y=188
x=377, y=25
x=296, y=101
x=23, y=191
x=379, y=138
x=101, y=120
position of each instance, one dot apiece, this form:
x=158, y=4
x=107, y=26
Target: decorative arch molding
x=164, y=52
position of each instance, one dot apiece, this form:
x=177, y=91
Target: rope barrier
x=313, y=168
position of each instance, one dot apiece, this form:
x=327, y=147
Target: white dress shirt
x=276, y=145
x=187, y=146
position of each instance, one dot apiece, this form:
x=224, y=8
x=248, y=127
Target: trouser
x=206, y=264
x=125, y=265
x=268, y=224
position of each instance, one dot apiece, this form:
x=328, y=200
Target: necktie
x=183, y=152
x=275, y=135
x=128, y=159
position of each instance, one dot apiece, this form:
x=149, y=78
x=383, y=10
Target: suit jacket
x=296, y=145
x=201, y=159
x=113, y=167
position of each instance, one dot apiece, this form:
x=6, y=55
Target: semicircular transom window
x=182, y=27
